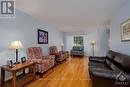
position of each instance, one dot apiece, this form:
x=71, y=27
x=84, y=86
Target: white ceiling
x=71, y=13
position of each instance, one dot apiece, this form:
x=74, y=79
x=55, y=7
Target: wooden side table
x=14, y=70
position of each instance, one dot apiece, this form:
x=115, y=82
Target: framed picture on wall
x=42, y=37
x=125, y=30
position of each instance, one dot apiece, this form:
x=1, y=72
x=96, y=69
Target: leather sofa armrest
x=97, y=59
x=128, y=76
x=106, y=74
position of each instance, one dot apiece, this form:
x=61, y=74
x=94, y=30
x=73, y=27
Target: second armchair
x=59, y=55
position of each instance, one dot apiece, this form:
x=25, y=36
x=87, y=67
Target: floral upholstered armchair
x=43, y=62
x=59, y=55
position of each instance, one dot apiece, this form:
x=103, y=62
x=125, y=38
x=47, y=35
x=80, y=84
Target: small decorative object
x=10, y=63
x=42, y=37
x=93, y=44
x=23, y=59
x=16, y=45
x=125, y=30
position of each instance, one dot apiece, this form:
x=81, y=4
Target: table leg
x=14, y=79
x=2, y=77
x=34, y=72
x=24, y=72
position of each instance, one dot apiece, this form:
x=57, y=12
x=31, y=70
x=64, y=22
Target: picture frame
x=42, y=37
x=23, y=59
x=125, y=30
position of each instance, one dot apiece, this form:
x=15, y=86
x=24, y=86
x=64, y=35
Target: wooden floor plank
x=71, y=73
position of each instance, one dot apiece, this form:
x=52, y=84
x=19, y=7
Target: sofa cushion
x=78, y=48
x=97, y=65
x=97, y=59
x=114, y=68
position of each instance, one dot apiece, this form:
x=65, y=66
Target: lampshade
x=92, y=42
x=16, y=45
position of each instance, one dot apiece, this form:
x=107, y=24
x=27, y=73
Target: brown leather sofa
x=110, y=71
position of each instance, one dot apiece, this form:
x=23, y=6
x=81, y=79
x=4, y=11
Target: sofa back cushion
x=34, y=53
x=122, y=61
x=78, y=48
x=111, y=54
x=108, y=62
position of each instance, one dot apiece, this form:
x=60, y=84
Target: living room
x=100, y=23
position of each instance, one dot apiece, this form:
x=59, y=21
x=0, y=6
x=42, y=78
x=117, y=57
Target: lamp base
x=16, y=62
x=16, y=57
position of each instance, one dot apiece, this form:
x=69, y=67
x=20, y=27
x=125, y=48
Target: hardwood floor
x=71, y=73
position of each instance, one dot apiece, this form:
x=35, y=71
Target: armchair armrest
x=49, y=57
x=38, y=61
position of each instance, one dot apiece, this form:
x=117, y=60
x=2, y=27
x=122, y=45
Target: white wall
x=24, y=28
x=92, y=35
x=69, y=41
x=115, y=34
x=103, y=41
x=97, y=34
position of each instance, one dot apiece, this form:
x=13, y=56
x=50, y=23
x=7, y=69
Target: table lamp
x=92, y=43
x=16, y=45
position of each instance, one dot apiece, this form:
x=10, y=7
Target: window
x=78, y=41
